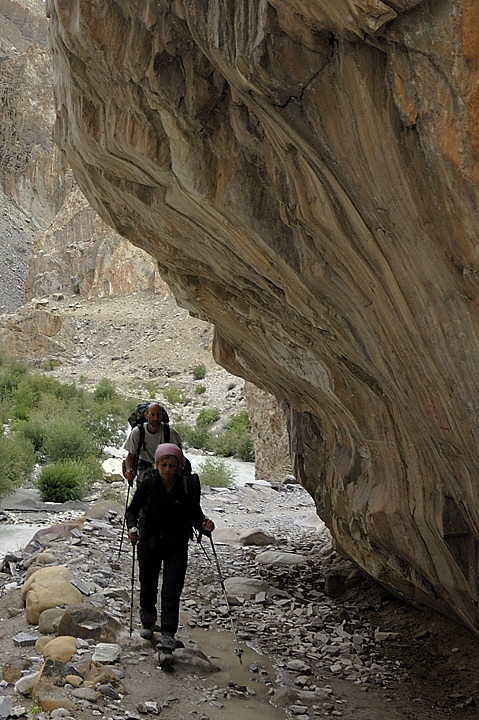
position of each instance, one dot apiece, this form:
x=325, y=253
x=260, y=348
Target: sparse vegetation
x=151, y=388
x=105, y=390
x=175, y=396
x=207, y=417
x=200, y=389
x=216, y=473
x=233, y=440
x=199, y=372
x=50, y=422
x=50, y=364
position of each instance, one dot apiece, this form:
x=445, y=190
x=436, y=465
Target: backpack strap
x=166, y=433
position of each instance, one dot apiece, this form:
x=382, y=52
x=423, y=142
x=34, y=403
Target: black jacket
x=165, y=516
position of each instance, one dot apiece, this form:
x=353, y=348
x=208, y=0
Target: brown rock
x=60, y=648
x=85, y=621
x=306, y=177
x=50, y=697
x=12, y=669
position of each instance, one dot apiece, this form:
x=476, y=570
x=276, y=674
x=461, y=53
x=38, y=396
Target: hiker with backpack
x=150, y=428
x=163, y=511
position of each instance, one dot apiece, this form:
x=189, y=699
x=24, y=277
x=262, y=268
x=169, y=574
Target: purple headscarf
x=170, y=449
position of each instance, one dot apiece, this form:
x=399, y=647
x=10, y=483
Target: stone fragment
x=109, y=692
x=85, y=621
x=85, y=693
x=106, y=652
x=57, y=593
x=56, y=672
x=242, y=536
x=6, y=706
x=194, y=661
x=244, y=587
x=24, y=685
x=24, y=639
x=48, y=620
x=277, y=558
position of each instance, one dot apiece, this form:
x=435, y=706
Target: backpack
x=137, y=419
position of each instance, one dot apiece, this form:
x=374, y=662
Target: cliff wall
x=306, y=175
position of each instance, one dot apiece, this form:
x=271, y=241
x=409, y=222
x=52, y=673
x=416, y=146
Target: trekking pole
x=238, y=650
x=124, y=521
x=133, y=545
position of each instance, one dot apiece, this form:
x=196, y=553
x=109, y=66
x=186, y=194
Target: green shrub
x=240, y=422
x=18, y=460
x=32, y=429
x=62, y=481
x=175, y=396
x=28, y=393
x=50, y=364
x=199, y=371
x=195, y=437
x=235, y=440
x=151, y=388
x=67, y=438
x=105, y=390
x=216, y=473
x=11, y=373
x=207, y=417
x=200, y=389
x=231, y=386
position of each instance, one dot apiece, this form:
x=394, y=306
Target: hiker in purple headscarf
x=163, y=511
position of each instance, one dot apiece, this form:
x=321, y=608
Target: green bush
x=235, y=440
x=195, y=437
x=67, y=438
x=216, y=473
x=50, y=364
x=151, y=388
x=199, y=371
x=175, y=396
x=18, y=460
x=11, y=373
x=62, y=481
x=105, y=390
x=200, y=389
x=207, y=417
x=32, y=429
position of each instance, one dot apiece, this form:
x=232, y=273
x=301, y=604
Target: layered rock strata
x=306, y=173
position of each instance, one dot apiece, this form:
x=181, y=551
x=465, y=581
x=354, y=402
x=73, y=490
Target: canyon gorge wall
x=52, y=240
x=306, y=175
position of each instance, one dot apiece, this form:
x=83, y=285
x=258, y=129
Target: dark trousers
x=172, y=555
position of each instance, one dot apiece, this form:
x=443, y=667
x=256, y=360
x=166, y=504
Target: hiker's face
x=167, y=467
x=154, y=416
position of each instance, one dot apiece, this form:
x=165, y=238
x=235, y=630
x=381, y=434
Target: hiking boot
x=146, y=633
x=165, y=657
x=166, y=642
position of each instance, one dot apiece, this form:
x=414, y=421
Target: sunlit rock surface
x=306, y=173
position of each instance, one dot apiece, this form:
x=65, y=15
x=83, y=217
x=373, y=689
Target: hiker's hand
x=130, y=476
x=133, y=535
x=208, y=526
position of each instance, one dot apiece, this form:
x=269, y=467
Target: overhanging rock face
x=306, y=175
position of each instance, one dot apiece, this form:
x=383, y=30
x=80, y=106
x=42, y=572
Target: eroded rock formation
x=306, y=173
